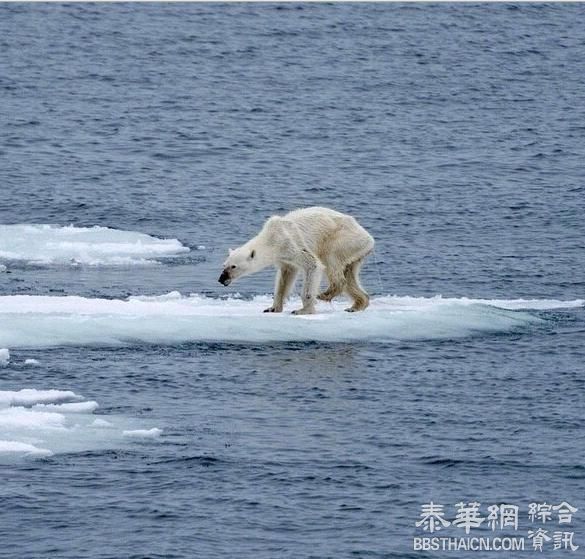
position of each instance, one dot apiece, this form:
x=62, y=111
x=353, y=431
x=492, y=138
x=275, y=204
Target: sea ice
x=17, y=447
x=47, y=321
x=70, y=407
x=31, y=396
x=143, y=433
x=75, y=246
x=99, y=422
x=45, y=422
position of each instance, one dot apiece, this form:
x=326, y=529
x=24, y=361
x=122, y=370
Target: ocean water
x=148, y=411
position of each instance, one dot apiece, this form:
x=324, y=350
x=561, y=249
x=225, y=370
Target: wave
x=41, y=423
x=46, y=321
x=47, y=245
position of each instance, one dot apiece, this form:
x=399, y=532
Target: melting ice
x=94, y=246
x=45, y=321
x=45, y=422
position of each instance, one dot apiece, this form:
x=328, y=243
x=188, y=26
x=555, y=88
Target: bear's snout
x=224, y=278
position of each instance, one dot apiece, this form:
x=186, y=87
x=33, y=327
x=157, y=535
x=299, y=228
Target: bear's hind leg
x=361, y=300
x=336, y=285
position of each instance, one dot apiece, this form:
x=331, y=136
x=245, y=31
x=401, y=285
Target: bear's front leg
x=285, y=279
x=313, y=269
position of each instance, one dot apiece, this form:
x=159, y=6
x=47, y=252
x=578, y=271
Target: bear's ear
x=252, y=254
x=230, y=250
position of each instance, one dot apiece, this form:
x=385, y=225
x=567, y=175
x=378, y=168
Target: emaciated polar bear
x=311, y=240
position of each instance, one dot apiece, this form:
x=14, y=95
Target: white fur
x=312, y=241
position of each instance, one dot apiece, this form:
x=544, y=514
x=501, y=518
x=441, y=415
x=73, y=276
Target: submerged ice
x=45, y=321
x=4, y=357
x=44, y=422
x=94, y=246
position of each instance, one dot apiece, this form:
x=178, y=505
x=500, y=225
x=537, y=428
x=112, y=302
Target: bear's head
x=240, y=262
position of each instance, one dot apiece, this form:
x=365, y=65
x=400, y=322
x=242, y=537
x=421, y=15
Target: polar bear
x=309, y=240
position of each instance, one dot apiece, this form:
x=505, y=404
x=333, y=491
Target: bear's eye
x=233, y=266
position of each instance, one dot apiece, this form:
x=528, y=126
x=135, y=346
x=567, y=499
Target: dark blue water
x=454, y=133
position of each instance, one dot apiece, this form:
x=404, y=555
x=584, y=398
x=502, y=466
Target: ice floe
x=42, y=244
x=46, y=321
x=31, y=396
x=153, y=433
x=69, y=407
x=19, y=448
x=46, y=422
